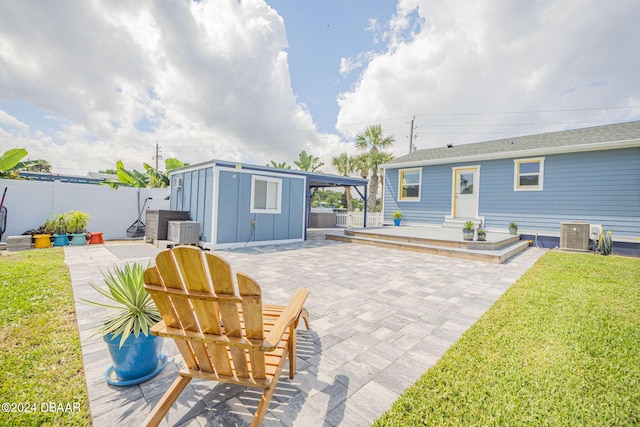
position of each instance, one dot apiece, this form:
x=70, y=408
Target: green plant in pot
x=513, y=228
x=482, y=235
x=135, y=352
x=468, y=231
x=397, y=217
x=77, y=223
x=58, y=227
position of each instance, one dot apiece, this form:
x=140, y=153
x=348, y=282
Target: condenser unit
x=184, y=232
x=574, y=235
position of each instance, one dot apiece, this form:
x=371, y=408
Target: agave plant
x=136, y=310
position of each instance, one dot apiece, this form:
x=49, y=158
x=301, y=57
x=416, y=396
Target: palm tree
x=281, y=165
x=345, y=165
x=308, y=162
x=373, y=141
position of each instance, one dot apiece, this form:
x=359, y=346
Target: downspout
x=365, y=206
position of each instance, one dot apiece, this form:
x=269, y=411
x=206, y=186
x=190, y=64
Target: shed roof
x=618, y=135
x=314, y=179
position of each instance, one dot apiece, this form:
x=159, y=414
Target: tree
x=373, y=141
x=150, y=178
x=345, y=165
x=308, y=162
x=282, y=165
x=9, y=159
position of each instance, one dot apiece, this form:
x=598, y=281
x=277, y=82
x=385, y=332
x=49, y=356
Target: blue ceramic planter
x=396, y=222
x=138, y=359
x=60, y=239
x=78, y=239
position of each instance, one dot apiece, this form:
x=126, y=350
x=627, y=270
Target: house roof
x=619, y=135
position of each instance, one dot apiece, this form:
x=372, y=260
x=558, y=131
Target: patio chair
x=223, y=335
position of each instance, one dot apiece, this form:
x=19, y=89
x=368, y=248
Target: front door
x=465, y=189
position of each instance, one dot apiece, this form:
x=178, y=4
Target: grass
x=560, y=348
x=41, y=371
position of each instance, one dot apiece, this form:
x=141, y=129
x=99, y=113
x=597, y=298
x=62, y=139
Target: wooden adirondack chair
x=222, y=335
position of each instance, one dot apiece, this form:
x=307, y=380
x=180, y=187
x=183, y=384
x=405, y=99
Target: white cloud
x=445, y=58
x=206, y=80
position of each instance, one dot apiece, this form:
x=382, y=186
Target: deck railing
x=356, y=219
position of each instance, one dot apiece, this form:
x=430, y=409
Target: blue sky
x=260, y=80
x=320, y=35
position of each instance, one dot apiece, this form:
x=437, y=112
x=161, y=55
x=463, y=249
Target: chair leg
x=292, y=351
x=163, y=406
x=263, y=406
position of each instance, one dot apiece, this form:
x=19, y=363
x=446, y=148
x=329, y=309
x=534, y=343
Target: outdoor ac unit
x=184, y=232
x=574, y=235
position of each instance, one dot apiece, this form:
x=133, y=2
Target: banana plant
x=10, y=158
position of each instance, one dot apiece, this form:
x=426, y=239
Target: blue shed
x=247, y=205
x=538, y=181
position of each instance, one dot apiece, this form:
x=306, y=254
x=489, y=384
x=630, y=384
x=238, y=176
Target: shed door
x=465, y=197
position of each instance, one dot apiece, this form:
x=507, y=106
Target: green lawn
x=41, y=371
x=560, y=348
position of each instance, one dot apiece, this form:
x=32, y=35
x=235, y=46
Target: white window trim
x=516, y=175
x=278, y=208
x=411, y=199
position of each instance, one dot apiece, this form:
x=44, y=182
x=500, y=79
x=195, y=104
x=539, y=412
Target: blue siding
x=195, y=196
x=235, y=217
x=599, y=187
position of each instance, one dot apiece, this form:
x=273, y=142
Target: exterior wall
x=195, y=196
x=112, y=211
x=435, y=196
x=599, y=187
x=234, y=216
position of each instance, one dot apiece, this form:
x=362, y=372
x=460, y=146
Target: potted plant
x=41, y=238
x=467, y=231
x=57, y=226
x=77, y=223
x=397, y=217
x=513, y=228
x=135, y=352
x=482, y=235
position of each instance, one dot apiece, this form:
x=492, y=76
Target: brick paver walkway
x=379, y=319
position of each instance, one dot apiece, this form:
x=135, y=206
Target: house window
x=266, y=195
x=528, y=174
x=410, y=181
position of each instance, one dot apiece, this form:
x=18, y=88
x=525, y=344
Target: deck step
x=497, y=256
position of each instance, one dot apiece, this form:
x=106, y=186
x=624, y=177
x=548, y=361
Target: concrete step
x=497, y=256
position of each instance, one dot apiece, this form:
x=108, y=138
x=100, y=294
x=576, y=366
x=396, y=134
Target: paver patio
x=379, y=319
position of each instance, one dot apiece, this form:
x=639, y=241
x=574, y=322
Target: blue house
x=538, y=181
x=246, y=205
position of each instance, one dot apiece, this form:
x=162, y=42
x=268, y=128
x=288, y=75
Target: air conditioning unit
x=184, y=232
x=574, y=235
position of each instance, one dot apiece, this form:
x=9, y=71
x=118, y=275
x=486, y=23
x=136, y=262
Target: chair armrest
x=289, y=315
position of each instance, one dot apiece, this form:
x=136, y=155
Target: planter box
x=18, y=243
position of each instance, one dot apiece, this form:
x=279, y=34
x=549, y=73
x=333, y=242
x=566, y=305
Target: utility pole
x=411, y=136
x=158, y=156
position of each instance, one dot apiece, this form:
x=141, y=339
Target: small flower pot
x=482, y=237
x=513, y=230
x=78, y=239
x=42, y=241
x=396, y=222
x=138, y=360
x=60, y=240
x=468, y=234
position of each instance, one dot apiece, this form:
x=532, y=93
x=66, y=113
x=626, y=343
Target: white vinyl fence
x=356, y=219
x=30, y=203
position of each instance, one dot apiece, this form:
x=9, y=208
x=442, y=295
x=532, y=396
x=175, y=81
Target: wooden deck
x=498, y=248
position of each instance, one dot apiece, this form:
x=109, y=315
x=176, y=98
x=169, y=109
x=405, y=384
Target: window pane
x=530, y=167
x=529, y=180
x=466, y=183
x=410, y=177
x=272, y=195
x=411, y=191
x=260, y=195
